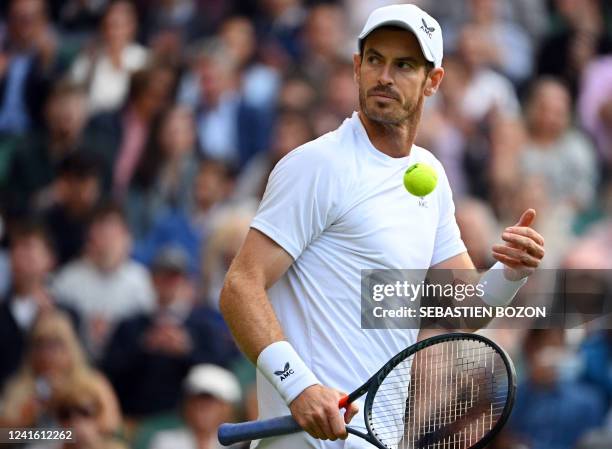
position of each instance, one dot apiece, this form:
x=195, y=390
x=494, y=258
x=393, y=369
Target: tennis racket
x=448, y=391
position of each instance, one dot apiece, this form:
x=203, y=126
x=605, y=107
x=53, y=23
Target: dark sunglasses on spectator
x=80, y=411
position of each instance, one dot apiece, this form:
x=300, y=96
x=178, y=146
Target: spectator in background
x=34, y=165
x=293, y=129
x=595, y=107
x=259, y=82
x=179, y=17
x=163, y=179
x=483, y=91
x=80, y=408
x=77, y=18
x=189, y=228
x=209, y=394
x=596, y=352
x=555, y=149
x=339, y=99
x=120, y=137
x=506, y=46
x=508, y=137
x=228, y=231
x=554, y=220
x=280, y=25
x=27, y=64
x=53, y=360
x=550, y=412
x=581, y=35
x=105, y=67
x=77, y=192
x=593, y=250
x=478, y=228
x=5, y=264
x=444, y=129
x=324, y=43
x=104, y=285
x=297, y=93
x=31, y=257
x=150, y=354
x=229, y=129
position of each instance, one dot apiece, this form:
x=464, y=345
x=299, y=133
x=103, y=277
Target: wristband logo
x=285, y=372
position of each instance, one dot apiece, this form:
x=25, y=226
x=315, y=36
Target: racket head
x=464, y=359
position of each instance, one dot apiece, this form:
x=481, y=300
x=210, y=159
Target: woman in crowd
x=53, y=360
x=105, y=67
x=164, y=177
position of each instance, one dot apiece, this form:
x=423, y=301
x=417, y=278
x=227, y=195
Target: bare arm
x=244, y=302
x=251, y=318
x=521, y=253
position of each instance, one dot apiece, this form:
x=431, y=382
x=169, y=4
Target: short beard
x=408, y=113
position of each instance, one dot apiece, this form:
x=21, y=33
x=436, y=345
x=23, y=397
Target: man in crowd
x=32, y=260
x=150, y=354
x=104, y=285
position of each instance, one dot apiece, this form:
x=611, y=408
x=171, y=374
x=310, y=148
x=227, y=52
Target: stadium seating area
x=136, y=138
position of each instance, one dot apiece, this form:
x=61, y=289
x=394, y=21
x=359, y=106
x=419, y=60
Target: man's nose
x=385, y=76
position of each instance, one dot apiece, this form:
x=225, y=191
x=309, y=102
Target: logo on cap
x=428, y=30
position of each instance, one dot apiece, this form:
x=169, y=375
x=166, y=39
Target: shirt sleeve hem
x=273, y=233
x=453, y=251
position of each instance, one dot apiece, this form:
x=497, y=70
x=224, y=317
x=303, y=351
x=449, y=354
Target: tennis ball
x=420, y=179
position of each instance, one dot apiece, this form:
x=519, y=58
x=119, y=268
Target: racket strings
x=445, y=396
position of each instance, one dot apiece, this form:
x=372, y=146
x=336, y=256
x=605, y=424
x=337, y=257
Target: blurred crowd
x=136, y=138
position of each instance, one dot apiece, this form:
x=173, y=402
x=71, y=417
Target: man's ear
x=356, y=66
x=434, y=78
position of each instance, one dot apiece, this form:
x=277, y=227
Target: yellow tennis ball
x=420, y=179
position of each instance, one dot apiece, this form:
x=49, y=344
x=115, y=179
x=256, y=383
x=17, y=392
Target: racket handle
x=254, y=430
x=344, y=402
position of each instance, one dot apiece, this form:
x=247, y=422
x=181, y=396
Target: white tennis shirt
x=338, y=205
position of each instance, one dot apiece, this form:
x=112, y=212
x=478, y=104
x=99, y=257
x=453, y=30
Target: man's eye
x=404, y=65
x=373, y=59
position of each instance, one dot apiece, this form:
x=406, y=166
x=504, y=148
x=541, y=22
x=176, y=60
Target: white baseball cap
x=426, y=29
x=213, y=380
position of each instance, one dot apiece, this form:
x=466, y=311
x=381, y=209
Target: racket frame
x=288, y=425
x=371, y=386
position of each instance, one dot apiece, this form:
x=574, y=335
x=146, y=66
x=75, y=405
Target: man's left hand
x=523, y=249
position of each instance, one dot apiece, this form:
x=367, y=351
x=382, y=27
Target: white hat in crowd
x=213, y=380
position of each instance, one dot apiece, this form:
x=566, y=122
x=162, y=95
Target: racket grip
x=254, y=430
x=344, y=402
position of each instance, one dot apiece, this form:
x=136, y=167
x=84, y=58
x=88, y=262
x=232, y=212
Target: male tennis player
x=335, y=206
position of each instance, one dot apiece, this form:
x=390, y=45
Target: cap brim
x=401, y=24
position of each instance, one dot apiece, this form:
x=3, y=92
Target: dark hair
x=79, y=165
x=150, y=164
x=109, y=209
x=141, y=79
x=226, y=169
x=30, y=228
x=139, y=82
x=537, y=83
x=534, y=337
x=111, y=3
x=64, y=88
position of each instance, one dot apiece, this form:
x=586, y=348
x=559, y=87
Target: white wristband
x=284, y=368
x=499, y=291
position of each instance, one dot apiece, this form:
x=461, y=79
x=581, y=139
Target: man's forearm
x=249, y=315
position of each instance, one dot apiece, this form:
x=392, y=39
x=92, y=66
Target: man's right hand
x=316, y=411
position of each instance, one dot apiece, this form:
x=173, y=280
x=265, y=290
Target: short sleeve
x=300, y=200
x=448, y=241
